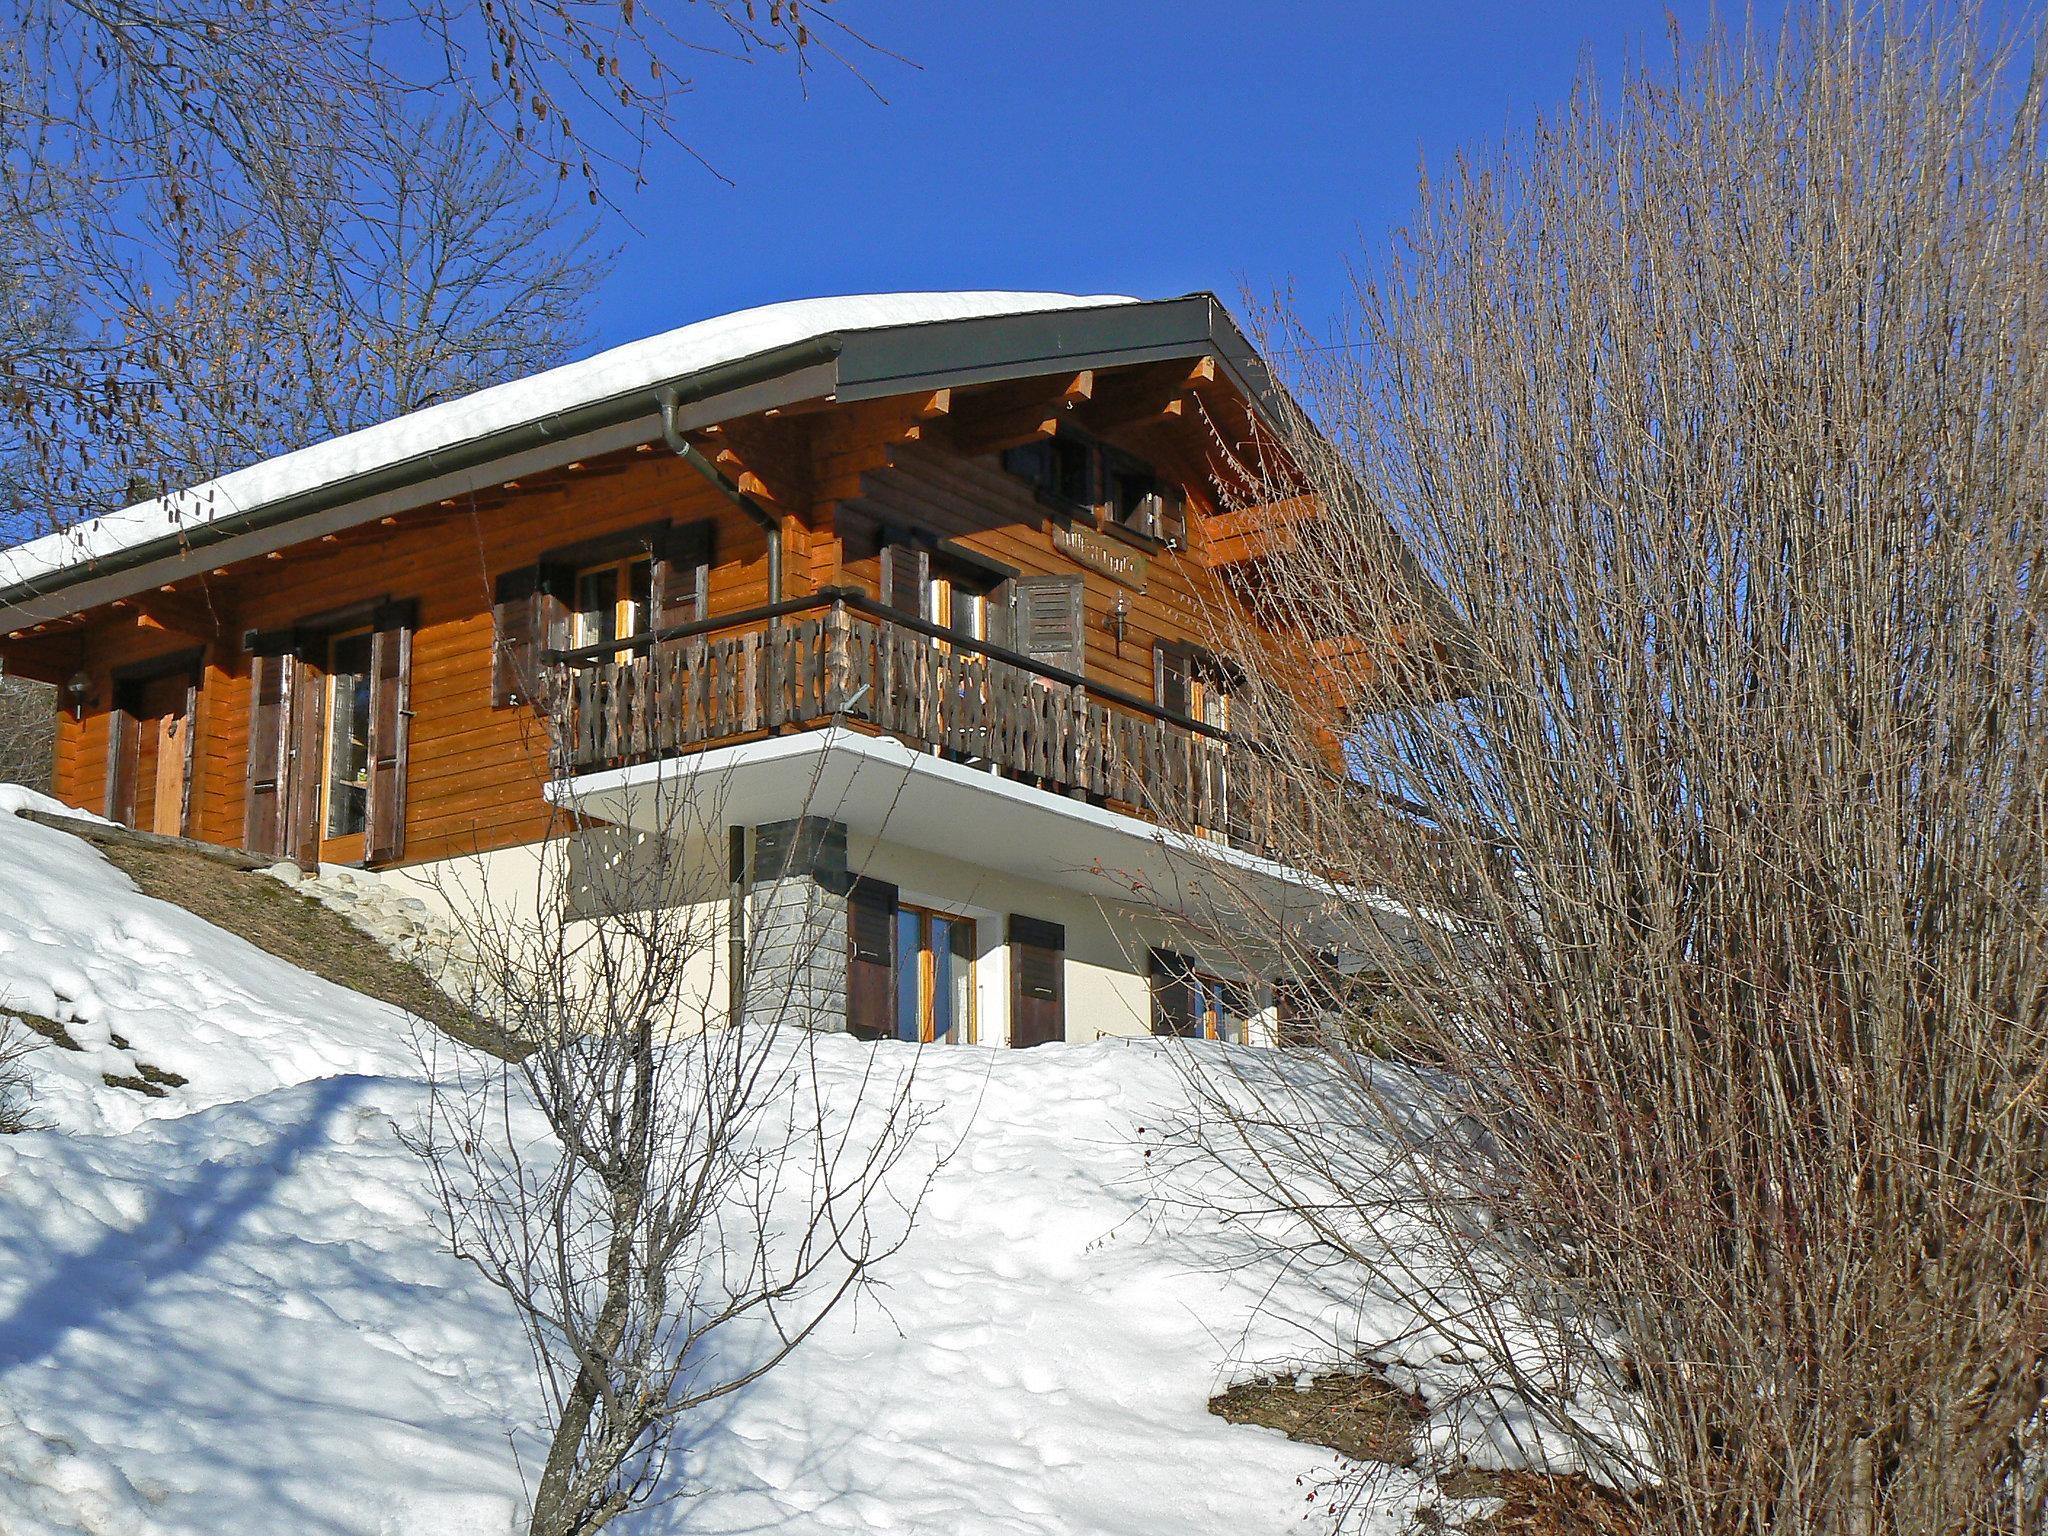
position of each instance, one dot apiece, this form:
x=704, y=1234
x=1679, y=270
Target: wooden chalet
x=920, y=578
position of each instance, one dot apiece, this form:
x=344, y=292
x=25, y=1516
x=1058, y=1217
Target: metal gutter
x=562, y=426
x=727, y=487
x=847, y=365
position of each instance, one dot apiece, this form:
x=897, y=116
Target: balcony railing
x=841, y=658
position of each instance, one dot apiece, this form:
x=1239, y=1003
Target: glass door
x=345, y=771
x=934, y=977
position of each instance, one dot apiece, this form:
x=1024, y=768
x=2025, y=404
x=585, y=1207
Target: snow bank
x=81, y=946
x=637, y=365
x=228, y=1311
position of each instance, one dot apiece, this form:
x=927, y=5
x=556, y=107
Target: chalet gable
x=1114, y=357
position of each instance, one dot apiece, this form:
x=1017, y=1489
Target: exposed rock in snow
x=404, y=925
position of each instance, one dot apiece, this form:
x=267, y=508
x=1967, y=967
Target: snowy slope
x=79, y=945
x=228, y=1311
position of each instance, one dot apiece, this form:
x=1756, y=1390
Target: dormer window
x=1121, y=490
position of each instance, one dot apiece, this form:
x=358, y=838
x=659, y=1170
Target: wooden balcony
x=839, y=658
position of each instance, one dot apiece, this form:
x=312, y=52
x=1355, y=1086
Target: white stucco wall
x=1107, y=987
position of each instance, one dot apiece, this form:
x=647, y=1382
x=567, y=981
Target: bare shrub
x=672, y=1199
x=16, y=1092
x=1714, y=418
x=28, y=732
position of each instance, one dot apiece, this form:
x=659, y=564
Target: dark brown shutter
x=999, y=613
x=871, y=959
x=191, y=745
x=1038, y=993
x=1175, y=1002
x=1172, y=667
x=270, y=693
x=1048, y=621
x=390, y=726
x=306, y=745
x=553, y=593
x=906, y=579
x=682, y=574
x=124, y=754
x=512, y=612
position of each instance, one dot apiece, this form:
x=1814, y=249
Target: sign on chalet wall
x=1099, y=552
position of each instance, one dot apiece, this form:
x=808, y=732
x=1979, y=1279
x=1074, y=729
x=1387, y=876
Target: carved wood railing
x=840, y=658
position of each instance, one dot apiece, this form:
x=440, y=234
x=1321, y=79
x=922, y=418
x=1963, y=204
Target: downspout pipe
x=726, y=486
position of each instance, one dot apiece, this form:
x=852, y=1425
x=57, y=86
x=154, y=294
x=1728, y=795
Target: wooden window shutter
x=1172, y=670
x=1174, y=998
x=1048, y=622
x=681, y=585
x=271, y=677
x=1038, y=992
x=871, y=959
x=390, y=726
x=906, y=579
x=999, y=614
x=185, y=792
x=512, y=658
x=1170, y=516
x=305, y=744
x=124, y=754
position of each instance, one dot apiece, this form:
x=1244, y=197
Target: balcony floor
x=882, y=788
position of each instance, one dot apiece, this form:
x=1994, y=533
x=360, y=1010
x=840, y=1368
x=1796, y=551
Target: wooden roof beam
x=1011, y=417
x=1251, y=533
x=183, y=613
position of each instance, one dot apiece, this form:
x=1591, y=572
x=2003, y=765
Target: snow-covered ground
x=226, y=1310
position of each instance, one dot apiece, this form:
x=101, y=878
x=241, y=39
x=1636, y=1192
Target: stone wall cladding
x=796, y=921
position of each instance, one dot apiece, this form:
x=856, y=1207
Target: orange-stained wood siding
x=475, y=771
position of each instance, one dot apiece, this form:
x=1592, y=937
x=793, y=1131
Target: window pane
x=960, y=974
x=968, y=611
x=1130, y=497
x=909, y=974
x=952, y=954
x=1071, y=466
x=348, y=735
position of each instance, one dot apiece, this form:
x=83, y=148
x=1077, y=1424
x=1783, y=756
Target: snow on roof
x=636, y=365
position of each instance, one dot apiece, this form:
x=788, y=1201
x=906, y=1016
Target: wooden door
x=1038, y=954
x=172, y=732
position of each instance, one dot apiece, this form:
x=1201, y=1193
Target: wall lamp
x=81, y=693
x=1117, y=619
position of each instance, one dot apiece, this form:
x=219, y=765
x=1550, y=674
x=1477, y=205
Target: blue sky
x=1136, y=147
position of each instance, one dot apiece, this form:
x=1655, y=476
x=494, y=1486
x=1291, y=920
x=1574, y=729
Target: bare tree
x=234, y=227
x=424, y=263
x=1707, y=784
x=672, y=1196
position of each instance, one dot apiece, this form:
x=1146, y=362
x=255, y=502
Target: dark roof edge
x=870, y=363
x=562, y=425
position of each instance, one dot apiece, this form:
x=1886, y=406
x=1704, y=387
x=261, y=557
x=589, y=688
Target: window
x=1223, y=1011
x=960, y=604
x=1123, y=491
x=612, y=602
x=934, y=976
x=1062, y=467
x=1191, y=682
x=1195, y=1005
x=1131, y=494
x=346, y=792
